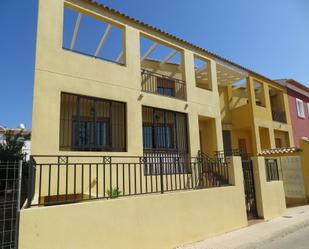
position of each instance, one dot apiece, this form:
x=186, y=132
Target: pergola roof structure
x=218, y=58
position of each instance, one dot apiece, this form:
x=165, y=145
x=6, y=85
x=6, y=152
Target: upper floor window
x=162, y=69
x=91, y=124
x=202, y=73
x=300, y=108
x=308, y=108
x=93, y=37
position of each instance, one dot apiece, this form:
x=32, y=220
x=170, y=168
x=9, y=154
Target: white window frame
x=308, y=109
x=300, y=108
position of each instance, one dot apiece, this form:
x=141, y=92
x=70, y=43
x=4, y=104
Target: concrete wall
x=291, y=173
x=145, y=222
x=270, y=197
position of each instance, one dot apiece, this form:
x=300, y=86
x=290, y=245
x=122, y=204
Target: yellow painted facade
x=179, y=217
x=58, y=70
x=270, y=196
x=250, y=119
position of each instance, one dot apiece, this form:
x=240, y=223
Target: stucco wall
x=300, y=125
x=270, y=196
x=145, y=222
x=59, y=70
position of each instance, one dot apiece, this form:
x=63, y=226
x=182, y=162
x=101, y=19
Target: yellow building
x=121, y=108
x=255, y=115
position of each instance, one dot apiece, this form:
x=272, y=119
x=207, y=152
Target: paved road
x=296, y=240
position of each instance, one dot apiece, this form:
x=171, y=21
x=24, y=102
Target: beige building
x=122, y=109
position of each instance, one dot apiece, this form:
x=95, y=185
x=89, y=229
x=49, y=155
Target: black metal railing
x=279, y=116
x=214, y=170
x=67, y=179
x=272, y=171
x=163, y=85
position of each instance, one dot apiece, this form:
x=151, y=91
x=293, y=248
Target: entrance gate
x=249, y=188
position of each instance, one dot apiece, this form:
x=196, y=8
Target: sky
x=270, y=37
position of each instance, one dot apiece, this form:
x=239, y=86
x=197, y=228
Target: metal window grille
x=91, y=124
x=164, y=130
x=272, y=171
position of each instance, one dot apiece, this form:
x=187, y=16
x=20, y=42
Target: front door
x=242, y=146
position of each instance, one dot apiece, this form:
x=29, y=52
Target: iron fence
x=163, y=85
x=67, y=179
x=272, y=171
x=10, y=196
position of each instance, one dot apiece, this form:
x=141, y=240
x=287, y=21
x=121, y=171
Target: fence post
x=19, y=179
x=161, y=176
x=30, y=183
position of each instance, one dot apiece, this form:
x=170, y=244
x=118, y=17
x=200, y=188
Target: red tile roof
x=279, y=151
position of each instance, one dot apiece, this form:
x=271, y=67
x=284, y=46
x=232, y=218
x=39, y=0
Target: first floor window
x=164, y=130
x=88, y=133
x=163, y=136
x=91, y=124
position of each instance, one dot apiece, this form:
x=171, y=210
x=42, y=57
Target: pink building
x=299, y=108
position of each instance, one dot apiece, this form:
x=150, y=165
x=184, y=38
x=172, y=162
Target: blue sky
x=270, y=37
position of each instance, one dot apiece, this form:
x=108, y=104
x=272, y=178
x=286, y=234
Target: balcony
x=279, y=116
x=163, y=85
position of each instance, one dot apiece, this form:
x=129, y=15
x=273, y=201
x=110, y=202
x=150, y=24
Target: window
x=90, y=132
x=165, y=86
x=308, y=108
x=164, y=130
x=278, y=143
x=91, y=124
x=300, y=108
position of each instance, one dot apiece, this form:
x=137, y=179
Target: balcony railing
x=67, y=179
x=163, y=85
x=279, y=116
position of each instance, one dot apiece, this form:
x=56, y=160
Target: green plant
x=11, y=147
x=113, y=193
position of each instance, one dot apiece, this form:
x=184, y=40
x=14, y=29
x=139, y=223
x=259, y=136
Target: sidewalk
x=258, y=234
